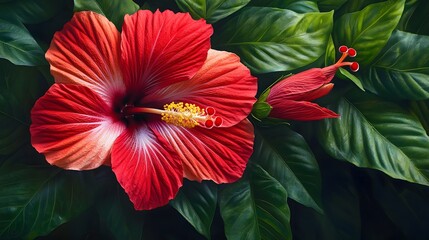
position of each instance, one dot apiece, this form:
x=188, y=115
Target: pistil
x=179, y=114
x=347, y=52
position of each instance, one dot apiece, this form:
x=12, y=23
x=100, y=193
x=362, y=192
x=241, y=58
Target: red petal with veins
x=222, y=83
x=72, y=127
x=218, y=154
x=298, y=86
x=320, y=92
x=301, y=111
x=150, y=174
x=86, y=52
x=159, y=49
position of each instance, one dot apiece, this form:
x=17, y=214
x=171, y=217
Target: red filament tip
x=354, y=66
x=210, y=111
x=218, y=121
x=209, y=123
x=343, y=49
x=352, y=52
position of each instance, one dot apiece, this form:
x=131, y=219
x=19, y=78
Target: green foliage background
x=362, y=176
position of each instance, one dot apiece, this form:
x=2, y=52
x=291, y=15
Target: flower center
x=180, y=114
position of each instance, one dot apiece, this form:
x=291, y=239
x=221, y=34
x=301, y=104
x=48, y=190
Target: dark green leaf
x=377, y=134
x=18, y=46
x=30, y=11
x=299, y=6
x=421, y=110
x=255, y=207
x=272, y=39
x=402, y=68
x=352, y=77
x=285, y=155
x=369, y=29
x=118, y=217
x=412, y=19
x=211, y=10
x=113, y=10
x=404, y=205
x=329, y=5
x=196, y=202
x=34, y=200
x=20, y=87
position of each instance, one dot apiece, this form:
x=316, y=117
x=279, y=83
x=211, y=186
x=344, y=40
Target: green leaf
x=421, y=110
x=113, y=10
x=369, y=29
x=118, y=217
x=299, y=6
x=285, y=155
x=18, y=46
x=412, y=19
x=20, y=87
x=351, y=77
x=196, y=202
x=35, y=200
x=329, y=5
x=211, y=10
x=272, y=39
x=378, y=134
x=402, y=68
x=403, y=204
x=255, y=207
x=30, y=11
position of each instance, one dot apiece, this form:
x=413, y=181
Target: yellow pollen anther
x=183, y=114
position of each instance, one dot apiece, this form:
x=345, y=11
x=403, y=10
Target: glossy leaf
x=285, y=155
x=421, y=110
x=352, y=78
x=298, y=6
x=113, y=10
x=19, y=89
x=369, y=29
x=30, y=11
x=402, y=68
x=211, y=10
x=196, y=202
x=18, y=46
x=272, y=39
x=35, y=200
x=378, y=134
x=255, y=207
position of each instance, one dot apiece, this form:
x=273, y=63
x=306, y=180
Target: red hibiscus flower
x=291, y=98
x=153, y=102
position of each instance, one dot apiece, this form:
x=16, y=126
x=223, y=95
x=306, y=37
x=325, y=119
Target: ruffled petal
x=72, y=127
x=218, y=154
x=86, y=52
x=150, y=174
x=160, y=49
x=301, y=111
x=222, y=83
x=297, y=87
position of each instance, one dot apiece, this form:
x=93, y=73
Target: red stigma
x=218, y=121
x=210, y=111
x=343, y=49
x=208, y=123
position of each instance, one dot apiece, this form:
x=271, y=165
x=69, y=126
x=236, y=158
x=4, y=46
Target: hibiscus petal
x=301, y=111
x=150, y=174
x=159, y=49
x=86, y=52
x=72, y=127
x=297, y=87
x=218, y=154
x=222, y=83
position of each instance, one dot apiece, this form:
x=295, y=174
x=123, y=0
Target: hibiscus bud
x=290, y=98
